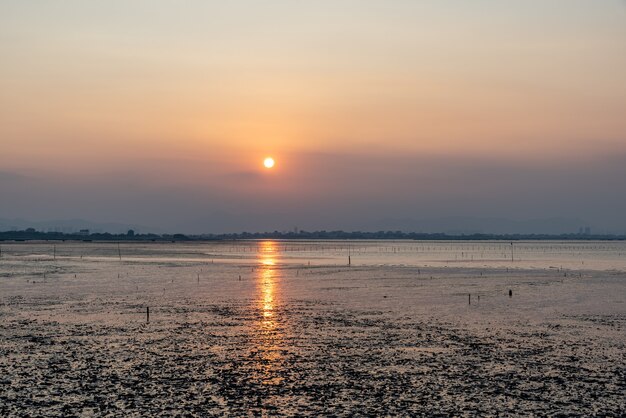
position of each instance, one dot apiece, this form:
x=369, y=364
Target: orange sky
x=207, y=89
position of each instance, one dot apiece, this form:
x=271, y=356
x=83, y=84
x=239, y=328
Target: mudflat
x=269, y=328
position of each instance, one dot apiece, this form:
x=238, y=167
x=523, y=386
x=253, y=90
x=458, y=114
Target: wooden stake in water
x=510, y=293
x=119, y=252
x=469, y=298
x=54, y=252
x=147, y=314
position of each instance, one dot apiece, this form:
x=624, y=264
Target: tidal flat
x=282, y=328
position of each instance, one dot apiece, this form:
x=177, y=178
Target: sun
x=269, y=162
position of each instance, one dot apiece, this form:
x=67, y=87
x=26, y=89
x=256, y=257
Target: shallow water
x=282, y=328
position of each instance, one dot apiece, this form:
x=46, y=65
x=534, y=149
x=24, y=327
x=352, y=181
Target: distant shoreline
x=32, y=235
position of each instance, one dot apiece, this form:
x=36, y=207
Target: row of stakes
x=349, y=264
x=469, y=296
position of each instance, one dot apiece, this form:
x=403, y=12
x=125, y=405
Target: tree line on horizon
x=31, y=234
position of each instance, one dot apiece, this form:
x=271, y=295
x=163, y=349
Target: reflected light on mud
x=269, y=330
x=267, y=284
x=266, y=281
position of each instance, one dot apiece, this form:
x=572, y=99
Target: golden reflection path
x=269, y=328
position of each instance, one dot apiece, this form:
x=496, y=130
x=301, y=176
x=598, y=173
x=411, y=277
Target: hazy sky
x=161, y=112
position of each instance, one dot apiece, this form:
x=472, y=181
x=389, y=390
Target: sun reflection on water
x=267, y=283
x=269, y=329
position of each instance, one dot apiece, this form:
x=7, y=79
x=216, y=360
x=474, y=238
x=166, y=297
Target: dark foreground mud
x=307, y=358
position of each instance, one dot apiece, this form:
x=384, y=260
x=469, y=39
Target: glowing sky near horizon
x=185, y=99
